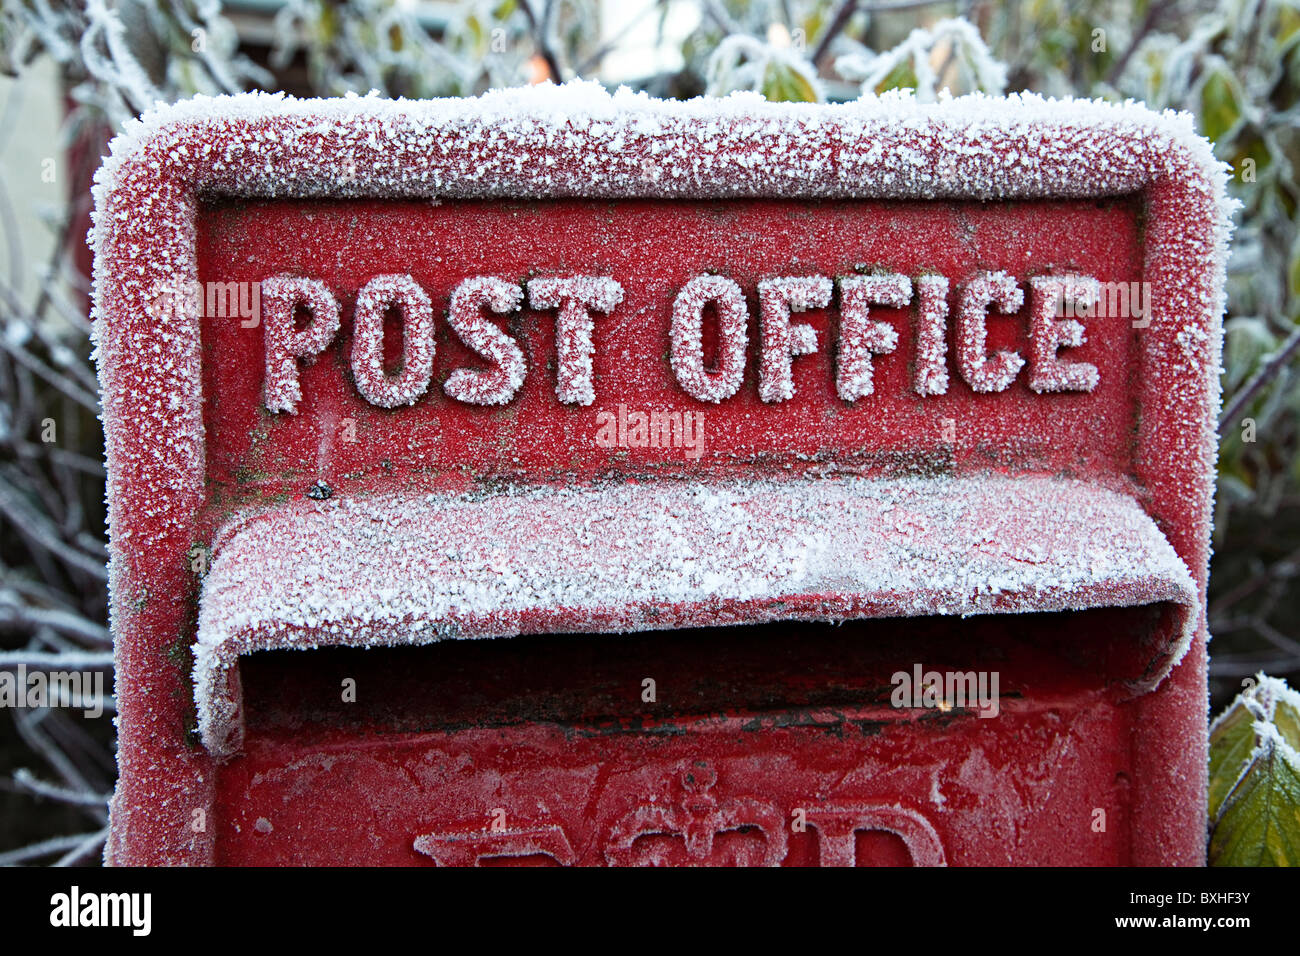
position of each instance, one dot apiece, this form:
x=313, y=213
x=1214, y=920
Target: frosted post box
x=561, y=478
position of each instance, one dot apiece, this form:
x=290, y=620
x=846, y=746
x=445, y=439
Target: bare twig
x=61, y=456
x=833, y=29
x=720, y=17
x=69, y=661
x=34, y=851
x=1266, y=373
x=50, y=376
x=844, y=13
x=541, y=28
x=28, y=724
x=1252, y=585
x=1245, y=665
x=1252, y=38
x=65, y=622
x=36, y=529
x=1154, y=13
x=1276, y=638
x=91, y=843
x=28, y=781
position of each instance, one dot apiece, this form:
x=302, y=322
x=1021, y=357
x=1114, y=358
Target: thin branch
x=28, y=725
x=541, y=36
x=1276, y=638
x=34, y=851
x=43, y=638
x=1245, y=666
x=89, y=845
x=889, y=6
x=29, y=782
x=1154, y=12
x=1250, y=585
x=58, y=250
x=35, y=528
x=67, y=660
x=71, y=737
x=841, y=20
x=50, y=376
x=36, y=592
x=1252, y=38
x=1257, y=381
x=844, y=13
x=65, y=622
x=720, y=16
x=60, y=456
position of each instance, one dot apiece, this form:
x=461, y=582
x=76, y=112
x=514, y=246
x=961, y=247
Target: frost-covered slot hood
x=391, y=570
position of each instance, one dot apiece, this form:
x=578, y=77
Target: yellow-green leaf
x=1286, y=718
x=784, y=84
x=1294, y=271
x=901, y=77
x=1260, y=822
x=1220, y=109
x=1231, y=741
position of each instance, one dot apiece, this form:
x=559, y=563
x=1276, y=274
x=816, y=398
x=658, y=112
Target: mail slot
x=561, y=478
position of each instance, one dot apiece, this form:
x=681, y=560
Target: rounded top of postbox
x=590, y=142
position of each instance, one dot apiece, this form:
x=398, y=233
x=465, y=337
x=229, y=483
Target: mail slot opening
x=451, y=570
x=628, y=682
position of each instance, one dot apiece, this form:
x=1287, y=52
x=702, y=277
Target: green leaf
x=1294, y=270
x=1288, y=27
x=1220, y=106
x=1232, y=738
x=1286, y=718
x=1255, y=778
x=1260, y=821
x=784, y=84
x=901, y=77
x=1246, y=341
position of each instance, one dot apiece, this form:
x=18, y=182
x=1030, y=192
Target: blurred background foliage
x=1234, y=64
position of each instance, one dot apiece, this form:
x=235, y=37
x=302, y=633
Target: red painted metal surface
x=772, y=743
x=777, y=719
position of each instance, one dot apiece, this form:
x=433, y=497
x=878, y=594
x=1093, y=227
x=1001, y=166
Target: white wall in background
x=31, y=154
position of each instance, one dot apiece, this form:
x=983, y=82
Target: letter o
x=375, y=298
x=688, y=338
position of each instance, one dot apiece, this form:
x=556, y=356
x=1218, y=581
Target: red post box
x=558, y=477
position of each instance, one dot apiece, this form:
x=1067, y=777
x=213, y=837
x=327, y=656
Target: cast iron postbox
x=559, y=477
